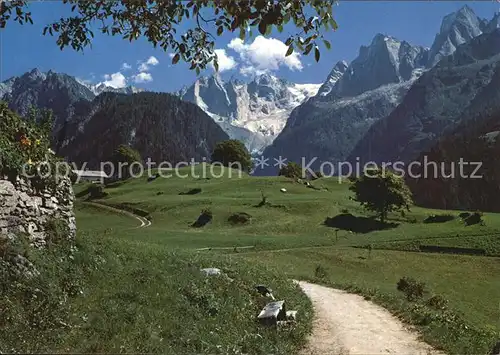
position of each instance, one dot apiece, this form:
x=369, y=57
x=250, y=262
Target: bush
x=25, y=145
x=240, y=218
x=56, y=231
x=291, y=170
x=317, y=175
x=438, y=302
x=320, y=272
x=440, y=218
x=411, y=288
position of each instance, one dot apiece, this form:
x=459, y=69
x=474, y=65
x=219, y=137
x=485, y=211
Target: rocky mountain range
x=341, y=120
x=91, y=121
x=253, y=112
x=393, y=101
x=460, y=87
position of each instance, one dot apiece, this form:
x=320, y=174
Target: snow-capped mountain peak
x=253, y=112
x=99, y=88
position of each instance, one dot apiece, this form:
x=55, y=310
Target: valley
x=116, y=261
x=294, y=240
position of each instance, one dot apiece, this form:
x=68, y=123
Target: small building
x=90, y=175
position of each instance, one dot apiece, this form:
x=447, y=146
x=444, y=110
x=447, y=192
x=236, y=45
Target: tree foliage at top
x=381, y=191
x=159, y=22
x=231, y=153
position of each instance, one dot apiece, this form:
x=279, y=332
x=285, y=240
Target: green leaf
x=334, y=25
x=289, y=41
x=308, y=48
x=176, y=58
x=327, y=44
x=242, y=33
x=280, y=28
x=316, y=54
x=220, y=29
x=289, y=51
x=216, y=65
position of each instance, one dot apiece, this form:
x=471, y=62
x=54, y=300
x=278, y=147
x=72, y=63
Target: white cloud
x=144, y=65
x=152, y=61
x=126, y=66
x=116, y=80
x=263, y=55
x=142, y=78
x=225, y=62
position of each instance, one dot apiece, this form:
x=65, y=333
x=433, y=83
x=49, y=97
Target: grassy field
x=293, y=235
x=114, y=295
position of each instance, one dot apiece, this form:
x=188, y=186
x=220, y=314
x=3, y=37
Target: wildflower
x=30, y=162
x=37, y=142
x=25, y=140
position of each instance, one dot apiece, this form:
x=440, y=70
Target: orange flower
x=25, y=140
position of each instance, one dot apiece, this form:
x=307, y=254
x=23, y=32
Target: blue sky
x=24, y=47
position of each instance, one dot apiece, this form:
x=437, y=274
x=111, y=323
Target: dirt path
x=144, y=221
x=348, y=324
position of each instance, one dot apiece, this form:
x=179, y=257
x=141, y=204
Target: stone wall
x=25, y=210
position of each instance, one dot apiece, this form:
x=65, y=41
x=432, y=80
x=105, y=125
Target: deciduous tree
x=381, y=191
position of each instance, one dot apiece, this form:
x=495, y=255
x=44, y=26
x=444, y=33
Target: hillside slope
x=159, y=126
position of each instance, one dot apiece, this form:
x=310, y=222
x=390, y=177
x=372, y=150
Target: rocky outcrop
x=255, y=112
x=24, y=209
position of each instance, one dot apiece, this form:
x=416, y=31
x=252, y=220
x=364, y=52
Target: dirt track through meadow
x=345, y=323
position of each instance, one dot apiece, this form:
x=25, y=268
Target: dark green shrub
x=56, y=231
x=240, y=218
x=345, y=210
x=412, y=288
x=438, y=302
x=317, y=175
x=320, y=272
x=291, y=170
x=439, y=218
